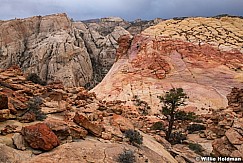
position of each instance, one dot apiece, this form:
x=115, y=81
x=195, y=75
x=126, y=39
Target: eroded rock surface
x=157, y=62
x=76, y=53
x=40, y=136
x=48, y=46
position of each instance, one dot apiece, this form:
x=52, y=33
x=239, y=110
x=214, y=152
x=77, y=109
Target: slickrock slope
x=170, y=55
x=224, y=33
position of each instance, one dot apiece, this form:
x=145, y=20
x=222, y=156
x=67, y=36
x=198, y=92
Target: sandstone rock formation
x=76, y=53
x=158, y=61
x=48, y=46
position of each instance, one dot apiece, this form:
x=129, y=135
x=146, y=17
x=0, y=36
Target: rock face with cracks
x=158, y=61
x=76, y=53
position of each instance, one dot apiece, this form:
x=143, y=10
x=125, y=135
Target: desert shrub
x=134, y=137
x=197, y=148
x=34, y=107
x=195, y=127
x=143, y=105
x=157, y=126
x=127, y=156
x=182, y=115
x=35, y=79
x=177, y=137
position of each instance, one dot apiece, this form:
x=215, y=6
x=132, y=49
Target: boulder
x=222, y=147
x=40, y=136
x=234, y=137
x=82, y=121
x=18, y=141
x=123, y=123
x=78, y=132
x=59, y=127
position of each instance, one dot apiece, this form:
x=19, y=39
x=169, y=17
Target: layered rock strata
x=158, y=61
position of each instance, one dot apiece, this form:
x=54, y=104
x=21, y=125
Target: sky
x=126, y=9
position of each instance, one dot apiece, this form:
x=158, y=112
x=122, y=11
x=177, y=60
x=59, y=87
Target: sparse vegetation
x=182, y=115
x=35, y=79
x=134, y=137
x=195, y=127
x=170, y=102
x=143, y=105
x=127, y=156
x=177, y=137
x=34, y=107
x=197, y=148
x=157, y=126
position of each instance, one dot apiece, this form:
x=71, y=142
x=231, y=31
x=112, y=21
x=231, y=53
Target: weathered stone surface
x=59, y=127
x=82, y=121
x=18, y=141
x=222, y=147
x=238, y=153
x=78, y=132
x=123, y=123
x=96, y=151
x=40, y=136
x=4, y=115
x=11, y=155
x=124, y=44
x=155, y=60
x=234, y=137
x=8, y=129
x=46, y=46
x=202, y=30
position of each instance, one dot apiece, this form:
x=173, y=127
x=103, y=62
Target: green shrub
x=197, y=148
x=182, y=115
x=195, y=127
x=177, y=137
x=134, y=137
x=157, y=126
x=143, y=105
x=34, y=107
x=127, y=156
x=35, y=79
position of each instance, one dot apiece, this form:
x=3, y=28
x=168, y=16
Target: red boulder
x=40, y=136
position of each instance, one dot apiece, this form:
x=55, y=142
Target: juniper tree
x=170, y=102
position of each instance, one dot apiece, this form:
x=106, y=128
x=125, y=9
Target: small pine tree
x=171, y=101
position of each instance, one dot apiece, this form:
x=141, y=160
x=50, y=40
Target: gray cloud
x=127, y=9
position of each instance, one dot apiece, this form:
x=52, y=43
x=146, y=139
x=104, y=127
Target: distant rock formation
x=76, y=53
x=48, y=46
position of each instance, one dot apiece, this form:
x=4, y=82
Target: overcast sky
x=127, y=9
